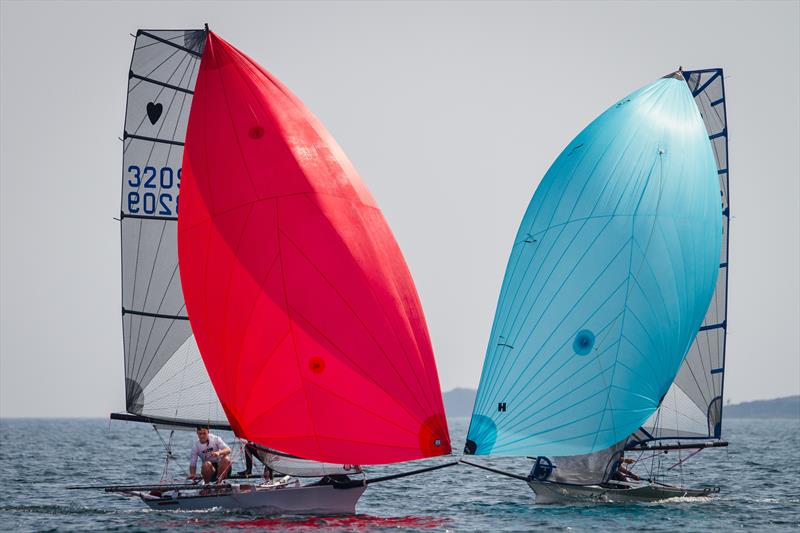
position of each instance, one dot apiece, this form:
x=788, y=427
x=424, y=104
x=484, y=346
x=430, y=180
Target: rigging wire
x=680, y=463
x=168, y=451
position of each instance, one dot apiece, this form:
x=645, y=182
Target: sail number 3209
x=157, y=192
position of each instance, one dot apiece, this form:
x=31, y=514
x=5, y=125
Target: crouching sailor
x=213, y=452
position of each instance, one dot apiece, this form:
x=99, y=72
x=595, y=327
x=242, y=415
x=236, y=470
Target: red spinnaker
x=303, y=307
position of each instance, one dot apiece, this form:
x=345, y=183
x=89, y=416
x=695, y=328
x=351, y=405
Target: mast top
x=678, y=74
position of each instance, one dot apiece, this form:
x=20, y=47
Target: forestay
x=609, y=279
x=693, y=406
x=164, y=374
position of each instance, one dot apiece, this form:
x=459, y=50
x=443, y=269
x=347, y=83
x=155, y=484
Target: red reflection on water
x=301, y=524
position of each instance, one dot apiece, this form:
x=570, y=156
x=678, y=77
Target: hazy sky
x=451, y=112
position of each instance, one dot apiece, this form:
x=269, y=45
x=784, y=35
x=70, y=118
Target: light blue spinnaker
x=610, y=276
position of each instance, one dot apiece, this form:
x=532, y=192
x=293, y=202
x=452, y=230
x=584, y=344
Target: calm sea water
x=759, y=475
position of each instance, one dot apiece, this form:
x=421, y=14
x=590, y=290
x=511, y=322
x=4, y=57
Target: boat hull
x=548, y=492
x=324, y=499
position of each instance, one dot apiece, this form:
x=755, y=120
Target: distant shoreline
x=786, y=407
x=458, y=403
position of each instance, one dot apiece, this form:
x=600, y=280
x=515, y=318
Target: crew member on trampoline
x=622, y=473
x=213, y=452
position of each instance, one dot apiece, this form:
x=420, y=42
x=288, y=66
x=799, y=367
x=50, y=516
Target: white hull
x=324, y=499
x=550, y=492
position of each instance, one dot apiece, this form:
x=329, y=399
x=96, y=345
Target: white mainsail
x=164, y=375
x=692, y=408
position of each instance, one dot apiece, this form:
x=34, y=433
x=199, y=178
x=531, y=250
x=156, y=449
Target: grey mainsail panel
x=693, y=405
x=585, y=469
x=164, y=373
x=284, y=464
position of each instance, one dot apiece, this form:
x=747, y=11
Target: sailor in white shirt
x=213, y=452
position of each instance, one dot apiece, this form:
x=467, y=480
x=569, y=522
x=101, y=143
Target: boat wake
x=682, y=499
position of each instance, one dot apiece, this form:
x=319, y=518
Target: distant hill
x=788, y=407
x=459, y=402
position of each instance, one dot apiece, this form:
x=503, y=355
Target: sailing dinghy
x=609, y=336
x=277, y=304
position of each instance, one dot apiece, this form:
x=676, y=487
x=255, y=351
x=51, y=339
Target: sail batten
x=610, y=273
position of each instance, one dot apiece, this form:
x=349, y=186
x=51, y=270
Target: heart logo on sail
x=154, y=112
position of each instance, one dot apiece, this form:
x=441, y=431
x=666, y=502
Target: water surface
x=759, y=475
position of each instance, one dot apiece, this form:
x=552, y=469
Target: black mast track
x=170, y=43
